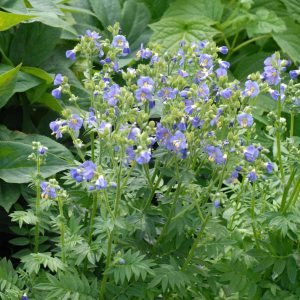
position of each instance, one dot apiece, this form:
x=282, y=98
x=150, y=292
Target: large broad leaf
x=39, y=73
x=194, y=8
x=134, y=20
x=107, y=11
x=15, y=147
x=33, y=43
x=265, y=21
x=293, y=8
x=289, y=40
x=7, y=84
x=168, y=32
x=8, y=20
x=9, y=194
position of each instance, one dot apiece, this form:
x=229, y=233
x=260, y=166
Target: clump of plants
x=173, y=193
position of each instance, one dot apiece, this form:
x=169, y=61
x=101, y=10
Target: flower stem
x=195, y=244
x=37, y=205
x=292, y=124
x=250, y=41
x=62, y=229
x=278, y=140
x=92, y=220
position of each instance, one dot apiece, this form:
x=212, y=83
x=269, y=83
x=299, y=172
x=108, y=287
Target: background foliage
x=34, y=36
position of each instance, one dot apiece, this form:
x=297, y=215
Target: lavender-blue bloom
x=85, y=171
x=144, y=157
x=144, y=53
x=91, y=119
x=233, y=177
x=183, y=73
x=177, y=142
x=55, y=126
x=224, y=64
x=271, y=75
x=47, y=190
x=101, y=183
x=75, y=122
x=226, y=93
x=245, y=120
x=58, y=79
x=215, y=154
x=269, y=167
x=42, y=150
x=197, y=123
x=251, y=153
x=223, y=50
x=203, y=91
x=133, y=133
x=111, y=95
x=71, y=54
x=24, y=297
x=251, y=90
x=294, y=74
x=145, y=82
x=252, y=176
x=167, y=93
x=120, y=42
x=56, y=93
x=162, y=134
x=143, y=94
x=205, y=61
x=130, y=155
x=93, y=34
x=216, y=203
x=221, y=72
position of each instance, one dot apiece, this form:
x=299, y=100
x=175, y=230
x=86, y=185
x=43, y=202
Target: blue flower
x=56, y=93
x=162, y=134
x=24, y=297
x=233, y=177
x=133, y=133
x=251, y=90
x=130, y=155
x=75, y=122
x=48, y=191
x=71, y=54
x=223, y=50
x=226, y=93
x=93, y=34
x=120, y=42
x=143, y=94
x=167, y=93
x=251, y=153
x=215, y=154
x=58, y=79
x=278, y=95
x=216, y=203
x=55, y=126
x=245, y=120
x=269, y=167
x=144, y=53
x=101, y=183
x=252, y=176
x=183, y=73
x=111, y=95
x=144, y=157
x=294, y=74
x=145, y=82
x=224, y=64
x=203, y=91
x=91, y=119
x=85, y=171
x=271, y=75
x=205, y=61
x=42, y=150
x=221, y=72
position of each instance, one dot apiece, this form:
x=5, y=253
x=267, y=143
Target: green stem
x=278, y=140
x=171, y=213
x=146, y=169
x=294, y=195
x=108, y=258
x=37, y=205
x=92, y=146
x=77, y=148
x=292, y=124
x=62, y=229
x=250, y=41
x=92, y=220
x=195, y=244
x=286, y=190
x=148, y=202
x=107, y=204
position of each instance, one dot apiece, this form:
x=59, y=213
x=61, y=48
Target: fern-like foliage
x=10, y=284
x=34, y=261
x=68, y=286
x=168, y=277
x=131, y=265
x=26, y=217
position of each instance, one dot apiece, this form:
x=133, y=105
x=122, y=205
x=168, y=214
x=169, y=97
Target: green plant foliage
x=8, y=20
x=14, y=146
x=9, y=194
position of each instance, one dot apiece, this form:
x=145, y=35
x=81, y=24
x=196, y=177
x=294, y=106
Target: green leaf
x=7, y=84
x=293, y=8
x=212, y=10
x=107, y=11
x=278, y=268
x=264, y=22
x=33, y=43
x=289, y=40
x=9, y=195
x=134, y=20
x=8, y=20
x=39, y=73
x=15, y=147
x=20, y=241
x=168, y=32
x=291, y=270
